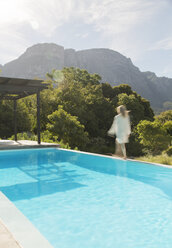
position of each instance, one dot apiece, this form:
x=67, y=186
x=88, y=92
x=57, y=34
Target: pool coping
x=20, y=228
x=118, y=158
x=27, y=144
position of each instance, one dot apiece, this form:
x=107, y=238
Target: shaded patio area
x=17, y=88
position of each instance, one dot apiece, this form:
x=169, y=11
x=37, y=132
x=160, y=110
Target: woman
x=121, y=127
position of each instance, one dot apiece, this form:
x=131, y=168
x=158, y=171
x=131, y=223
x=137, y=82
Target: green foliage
x=80, y=75
x=153, y=136
x=164, y=116
x=48, y=104
x=84, y=99
x=100, y=145
x=134, y=147
x=168, y=127
x=123, y=88
x=139, y=107
x=47, y=136
x=7, y=118
x=108, y=91
x=77, y=111
x=169, y=151
x=67, y=128
x=132, y=104
x=25, y=136
x=56, y=76
x=160, y=159
x=148, y=112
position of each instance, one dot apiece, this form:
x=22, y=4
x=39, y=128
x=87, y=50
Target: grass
x=160, y=159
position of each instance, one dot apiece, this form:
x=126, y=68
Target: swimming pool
x=78, y=200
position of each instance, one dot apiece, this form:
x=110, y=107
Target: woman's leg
x=118, y=150
x=123, y=150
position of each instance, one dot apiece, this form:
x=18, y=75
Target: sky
x=138, y=29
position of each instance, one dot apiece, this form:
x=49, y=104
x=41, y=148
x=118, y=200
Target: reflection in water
x=46, y=175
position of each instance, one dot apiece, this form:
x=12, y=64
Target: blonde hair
x=122, y=110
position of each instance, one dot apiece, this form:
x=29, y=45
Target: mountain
x=112, y=66
x=163, y=86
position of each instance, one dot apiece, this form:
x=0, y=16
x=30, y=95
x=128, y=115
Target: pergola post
x=38, y=117
x=15, y=120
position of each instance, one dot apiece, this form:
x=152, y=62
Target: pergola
x=17, y=88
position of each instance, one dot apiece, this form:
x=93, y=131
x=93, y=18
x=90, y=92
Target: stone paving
x=6, y=239
x=24, y=144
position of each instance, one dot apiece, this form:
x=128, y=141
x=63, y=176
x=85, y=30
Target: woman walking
x=121, y=128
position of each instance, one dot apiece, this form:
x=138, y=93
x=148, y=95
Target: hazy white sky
x=139, y=29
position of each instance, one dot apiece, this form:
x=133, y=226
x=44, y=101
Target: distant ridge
x=112, y=66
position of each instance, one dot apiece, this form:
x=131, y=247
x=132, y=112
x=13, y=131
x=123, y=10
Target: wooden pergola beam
x=15, y=89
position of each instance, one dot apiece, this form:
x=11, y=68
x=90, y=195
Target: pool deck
x=25, y=144
x=6, y=239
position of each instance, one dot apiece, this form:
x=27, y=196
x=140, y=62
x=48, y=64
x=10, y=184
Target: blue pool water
x=77, y=200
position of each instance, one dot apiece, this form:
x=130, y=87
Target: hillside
x=112, y=66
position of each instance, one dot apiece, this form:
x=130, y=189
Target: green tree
x=164, y=116
x=132, y=104
x=139, y=107
x=168, y=127
x=81, y=95
x=7, y=118
x=153, y=136
x=67, y=128
x=94, y=104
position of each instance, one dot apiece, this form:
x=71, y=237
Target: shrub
x=169, y=151
x=25, y=136
x=153, y=136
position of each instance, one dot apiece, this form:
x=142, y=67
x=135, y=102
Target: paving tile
x=6, y=239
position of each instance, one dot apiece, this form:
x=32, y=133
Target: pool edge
x=22, y=230
x=118, y=158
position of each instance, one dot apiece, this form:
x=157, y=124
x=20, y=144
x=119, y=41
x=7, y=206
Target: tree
x=81, y=95
x=132, y=104
x=168, y=127
x=7, y=118
x=94, y=104
x=139, y=107
x=67, y=128
x=153, y=136
x=164, y=116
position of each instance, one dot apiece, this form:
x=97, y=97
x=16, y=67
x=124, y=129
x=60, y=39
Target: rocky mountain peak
x=43, y=49
x=150, y=75
x=112, y=66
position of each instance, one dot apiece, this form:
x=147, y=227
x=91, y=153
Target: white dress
x=121, y=127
